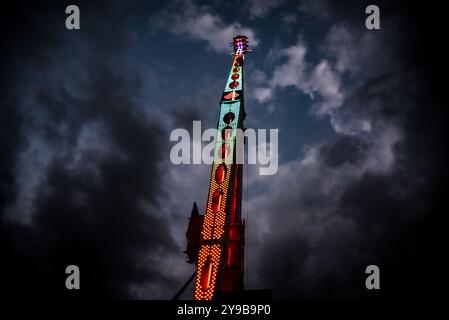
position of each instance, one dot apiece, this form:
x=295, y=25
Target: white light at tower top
x=240, y=44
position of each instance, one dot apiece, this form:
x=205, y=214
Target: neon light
x=224, y=149
x=234, y=84
x=207, y=274
x=229, y=255
x=216, y=200
x=220, y=173
x=231, y=95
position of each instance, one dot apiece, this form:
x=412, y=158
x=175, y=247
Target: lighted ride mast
x=215, y=241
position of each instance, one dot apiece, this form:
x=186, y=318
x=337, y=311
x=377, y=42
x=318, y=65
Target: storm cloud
x=370, y=195
x=83, y=161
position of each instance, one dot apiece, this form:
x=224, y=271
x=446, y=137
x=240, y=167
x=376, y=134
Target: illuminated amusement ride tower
x=215, y=240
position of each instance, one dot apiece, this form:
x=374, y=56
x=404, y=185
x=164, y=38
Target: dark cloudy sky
x=86, y=116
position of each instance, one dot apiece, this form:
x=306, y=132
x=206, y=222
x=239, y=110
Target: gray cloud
x=200, y=23
x=260, y=8
x=87, y=170
x=357, y=199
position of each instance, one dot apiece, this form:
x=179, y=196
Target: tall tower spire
x=219, y=258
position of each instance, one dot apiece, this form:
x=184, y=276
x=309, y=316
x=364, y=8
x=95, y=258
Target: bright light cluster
x=214, y=253
x=236, y=74
x=220, y=215
x=240, y=44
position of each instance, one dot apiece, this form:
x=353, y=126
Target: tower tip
x=194, y=210
x=240, y=44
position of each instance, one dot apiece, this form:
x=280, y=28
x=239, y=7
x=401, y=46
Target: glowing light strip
x=214, y=222
x=240, y=73
x=215, y=252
